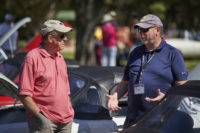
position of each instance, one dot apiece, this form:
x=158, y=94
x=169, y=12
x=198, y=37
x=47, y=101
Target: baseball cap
x=107, y=18
x=51, y=25
x=113, y=13
x=148, y=21
x=8, y=16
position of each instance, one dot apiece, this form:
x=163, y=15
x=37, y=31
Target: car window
x=76, y=83
x=8, y=70
x=2, y=92
x=88, y=102
x=6, y=89
x=174, y=114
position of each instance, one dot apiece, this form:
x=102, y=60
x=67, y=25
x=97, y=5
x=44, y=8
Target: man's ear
x=158, y=29
x=49, y=38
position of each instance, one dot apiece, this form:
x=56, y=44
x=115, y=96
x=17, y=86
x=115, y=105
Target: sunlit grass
x=191, y=63
x=68, y=55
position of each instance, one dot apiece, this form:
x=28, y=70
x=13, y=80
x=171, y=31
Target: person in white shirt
x=10, y=46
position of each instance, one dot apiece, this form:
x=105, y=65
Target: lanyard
x=144, y=65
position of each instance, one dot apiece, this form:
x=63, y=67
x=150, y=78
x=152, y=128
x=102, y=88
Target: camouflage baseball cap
x=148, y=21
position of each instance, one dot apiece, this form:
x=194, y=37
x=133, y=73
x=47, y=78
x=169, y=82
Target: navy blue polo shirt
x=166, y=67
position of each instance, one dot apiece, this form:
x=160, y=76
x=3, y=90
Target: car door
x=12, y=114
x=8, y=92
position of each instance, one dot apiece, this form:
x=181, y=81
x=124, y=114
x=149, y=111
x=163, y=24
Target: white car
x=188, y=48
x=184, y=41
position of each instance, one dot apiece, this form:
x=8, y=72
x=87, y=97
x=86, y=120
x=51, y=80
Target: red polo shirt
x=45, y=79
x=109, y=35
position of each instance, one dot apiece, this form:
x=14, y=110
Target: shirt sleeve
x=26, y=79
x=178, y=67
x=126, y=71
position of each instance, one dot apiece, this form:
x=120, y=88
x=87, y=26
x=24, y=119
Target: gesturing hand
x=156, y=99
x=112, y=102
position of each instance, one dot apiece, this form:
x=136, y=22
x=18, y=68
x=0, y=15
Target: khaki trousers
x=41, y=124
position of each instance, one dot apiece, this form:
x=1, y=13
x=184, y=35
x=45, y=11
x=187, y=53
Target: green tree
x=88, y=14
x=184, y=13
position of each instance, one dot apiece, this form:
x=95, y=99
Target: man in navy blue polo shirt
x=152, y=68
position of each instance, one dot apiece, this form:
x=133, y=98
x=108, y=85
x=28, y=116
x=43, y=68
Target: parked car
x=185, y=42
x=89, y=86
x=7, y=97
x=188, y=48
x=11, y=67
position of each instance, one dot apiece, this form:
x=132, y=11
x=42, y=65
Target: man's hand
x=29, y=104
x=112, y=102
x=156, y=99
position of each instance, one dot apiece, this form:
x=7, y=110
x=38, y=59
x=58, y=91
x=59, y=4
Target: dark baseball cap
x=148, y=21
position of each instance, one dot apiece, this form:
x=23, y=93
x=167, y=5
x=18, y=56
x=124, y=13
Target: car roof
x=190, y=88
x=106, y=77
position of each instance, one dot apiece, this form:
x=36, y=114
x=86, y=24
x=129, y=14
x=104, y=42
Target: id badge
x=138, y=89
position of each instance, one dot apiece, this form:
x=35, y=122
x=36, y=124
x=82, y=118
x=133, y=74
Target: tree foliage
x=183, y=13
x=37, y=10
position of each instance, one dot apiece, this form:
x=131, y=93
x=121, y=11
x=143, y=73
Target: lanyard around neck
x=144, y=65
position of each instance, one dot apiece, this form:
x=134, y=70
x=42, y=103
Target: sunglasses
x=62, y=36
x=142, y=30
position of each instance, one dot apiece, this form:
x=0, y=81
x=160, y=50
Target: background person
x=152, y=68
x=10, y=46
x=98, y=44
x=43, y=83
x=114, y=16
x=109, y=48
x=134, y=35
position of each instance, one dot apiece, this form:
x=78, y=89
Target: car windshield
x=88, y=102
x=173, y=114
x=76, y=83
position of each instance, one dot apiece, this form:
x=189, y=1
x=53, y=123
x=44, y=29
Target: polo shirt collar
x=45, y=54
x=159, y=48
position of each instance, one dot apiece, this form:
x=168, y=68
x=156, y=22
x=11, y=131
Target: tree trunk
x=87, y=16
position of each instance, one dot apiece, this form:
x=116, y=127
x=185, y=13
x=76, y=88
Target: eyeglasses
x=143, y=30
x=62, y=36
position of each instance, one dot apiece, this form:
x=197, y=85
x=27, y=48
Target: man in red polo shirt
x=43, y=83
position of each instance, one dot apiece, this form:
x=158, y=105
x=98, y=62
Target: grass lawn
x=191, y=63
x=68, y=55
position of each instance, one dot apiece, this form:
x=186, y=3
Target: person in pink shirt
x=43, y=83
x=109, y=48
